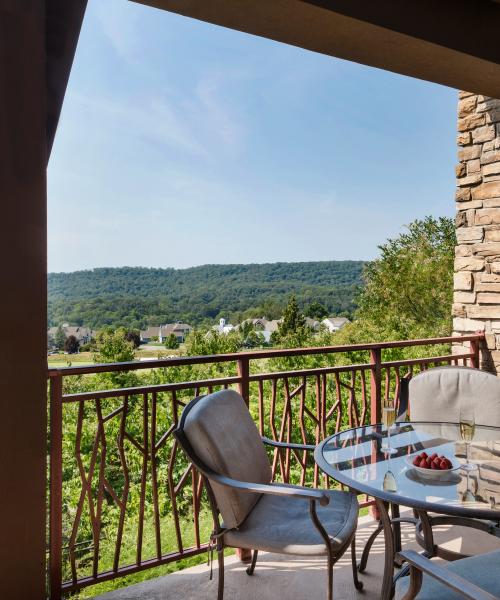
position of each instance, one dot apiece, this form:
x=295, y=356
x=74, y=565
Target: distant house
x=334, y=323
x=161, y=333
x=312, y=324
x=264, y=326
x=223, y=327
x=82, y=334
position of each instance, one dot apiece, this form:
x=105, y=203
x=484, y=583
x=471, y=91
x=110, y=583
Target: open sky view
x=182, y=143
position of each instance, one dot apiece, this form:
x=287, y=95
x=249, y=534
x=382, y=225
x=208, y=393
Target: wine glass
x=388, y=418
x=467, y=428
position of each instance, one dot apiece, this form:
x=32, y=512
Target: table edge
x=392, y=497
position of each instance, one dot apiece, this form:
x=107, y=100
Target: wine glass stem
x=467, y=444
x=389, y=436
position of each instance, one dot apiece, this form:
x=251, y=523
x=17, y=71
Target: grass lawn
x=87, y=358
x=65, y=360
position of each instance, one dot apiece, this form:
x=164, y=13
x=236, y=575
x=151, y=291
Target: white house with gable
x=334, y=323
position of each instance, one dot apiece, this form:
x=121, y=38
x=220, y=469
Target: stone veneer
x=476, y=302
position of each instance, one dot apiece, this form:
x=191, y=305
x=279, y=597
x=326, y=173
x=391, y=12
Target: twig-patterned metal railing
x=136, y=502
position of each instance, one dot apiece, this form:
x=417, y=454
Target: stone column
x=476, y=304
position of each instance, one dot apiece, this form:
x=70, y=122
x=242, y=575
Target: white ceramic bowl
x=433, y=473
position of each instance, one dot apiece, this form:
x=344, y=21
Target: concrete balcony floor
x=294, y=577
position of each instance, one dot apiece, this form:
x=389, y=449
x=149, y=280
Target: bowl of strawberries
x=432, y=466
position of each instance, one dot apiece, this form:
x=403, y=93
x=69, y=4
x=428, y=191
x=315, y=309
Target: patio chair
x=221, y=439
x=436, y=395
x=475, y=578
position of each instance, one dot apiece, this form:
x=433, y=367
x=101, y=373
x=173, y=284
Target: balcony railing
x=136, y=502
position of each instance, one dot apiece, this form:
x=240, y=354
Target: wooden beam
x=452, y=42
x=462, y=25
x=64, y=21
x=23, y=359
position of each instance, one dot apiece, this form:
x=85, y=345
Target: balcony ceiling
x=452, y=42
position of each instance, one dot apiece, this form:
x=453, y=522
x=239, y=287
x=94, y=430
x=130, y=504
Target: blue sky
x=182, y=143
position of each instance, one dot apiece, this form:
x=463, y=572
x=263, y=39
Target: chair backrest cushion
x=437, y=394
x=224, y=436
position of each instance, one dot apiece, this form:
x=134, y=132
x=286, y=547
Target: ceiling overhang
x=452, y=42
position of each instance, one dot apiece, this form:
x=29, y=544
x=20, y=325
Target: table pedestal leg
x=387, y=582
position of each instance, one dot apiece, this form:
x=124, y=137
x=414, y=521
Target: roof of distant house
x=337, y=321
x=166, y=329
x=312, y=323
x=179, y=326
x=77, y=331
x=267, y=325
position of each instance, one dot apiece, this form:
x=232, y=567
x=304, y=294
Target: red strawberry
x=433, y=456
x=416, y=461
x=434, y=465
x=444, y=465
x=423, y=455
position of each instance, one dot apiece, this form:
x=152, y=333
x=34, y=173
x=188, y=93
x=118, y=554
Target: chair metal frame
x=419, y=565
x=312, y=495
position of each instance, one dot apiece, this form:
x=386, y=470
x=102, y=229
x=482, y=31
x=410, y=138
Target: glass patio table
x=354, y=458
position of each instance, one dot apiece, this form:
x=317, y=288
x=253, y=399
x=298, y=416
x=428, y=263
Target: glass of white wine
x=388, y=418
x=467, y=428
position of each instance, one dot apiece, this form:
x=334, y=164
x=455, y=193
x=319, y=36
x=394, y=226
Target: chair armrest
x=263, y=488
x=269, y=442
x=419, y=564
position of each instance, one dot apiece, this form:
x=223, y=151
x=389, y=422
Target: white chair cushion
x=437, y=394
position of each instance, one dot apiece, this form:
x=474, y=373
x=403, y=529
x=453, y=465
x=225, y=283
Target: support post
x=23, y=318
x=55, y=562
x=474, y=348
x=244, y=373
x=376, y=385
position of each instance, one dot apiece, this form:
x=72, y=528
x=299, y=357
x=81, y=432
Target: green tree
x=201, y=342
x=293, y=320
x=316, y=310
x=171, y=343
x=254, y=339
x=71, y=345
x=246, y=328
x=59, y=338
x=113, y=346
x=133, y=336
x=408, y=290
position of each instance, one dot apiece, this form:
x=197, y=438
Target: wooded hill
x=135, y=296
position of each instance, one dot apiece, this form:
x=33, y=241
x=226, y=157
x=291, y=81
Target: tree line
x=137, y=297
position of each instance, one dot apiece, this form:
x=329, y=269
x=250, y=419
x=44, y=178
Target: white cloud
x=151, y=118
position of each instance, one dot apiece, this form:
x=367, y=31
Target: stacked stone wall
x=476, y=304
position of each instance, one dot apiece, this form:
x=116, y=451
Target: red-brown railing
x=135, y=495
